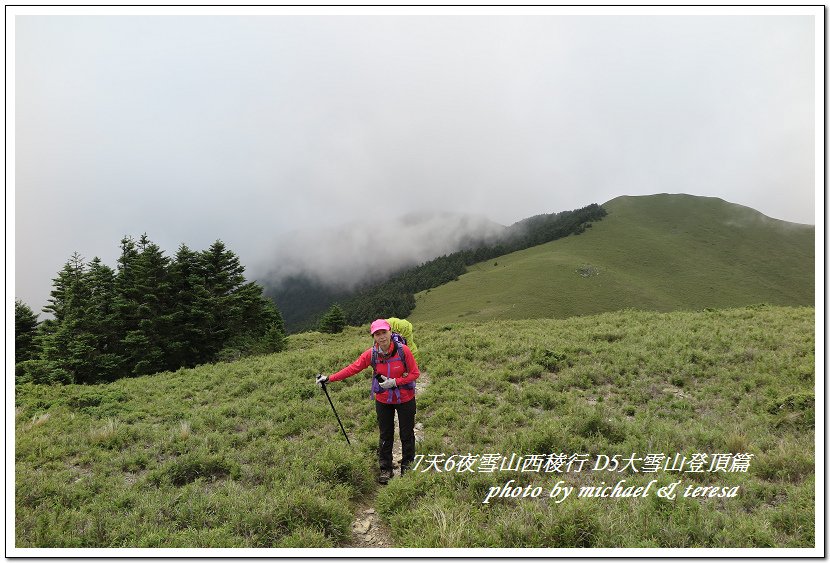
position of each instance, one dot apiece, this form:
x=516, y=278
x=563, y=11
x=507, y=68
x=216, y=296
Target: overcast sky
x=194, y=128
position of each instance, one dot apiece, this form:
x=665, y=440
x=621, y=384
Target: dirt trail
x=368, y=530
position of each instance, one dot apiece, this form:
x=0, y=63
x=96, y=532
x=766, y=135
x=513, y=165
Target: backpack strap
x=411, y=384
x=398, y=338
x=398, y=348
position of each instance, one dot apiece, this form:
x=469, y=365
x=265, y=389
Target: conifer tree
x=62, y=345
x=191, y=312
x=277, y=321
x=127, y=297
x=145, y=343
x=224, y=277
x=267, y=334
x=333, y=321
x=100, y=321
x=81, y=340
x=275, y=335
x=25, y=328
x=62, y=287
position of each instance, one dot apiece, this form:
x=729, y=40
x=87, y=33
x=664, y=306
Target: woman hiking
x=393, y=386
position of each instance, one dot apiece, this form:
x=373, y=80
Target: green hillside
x=661, y=252
x=248, y=454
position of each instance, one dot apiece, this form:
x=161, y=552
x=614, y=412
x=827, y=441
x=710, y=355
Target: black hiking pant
x=406, y=428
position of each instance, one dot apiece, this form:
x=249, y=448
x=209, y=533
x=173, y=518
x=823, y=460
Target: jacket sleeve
x=364, y=361
x=411, y=365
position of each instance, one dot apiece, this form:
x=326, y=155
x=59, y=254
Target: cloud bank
x=252, y=129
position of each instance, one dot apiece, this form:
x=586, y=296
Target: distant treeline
x=396, y=296
x=303, y=301
x=147, y=315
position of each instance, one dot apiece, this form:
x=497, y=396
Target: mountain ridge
x=660, y=252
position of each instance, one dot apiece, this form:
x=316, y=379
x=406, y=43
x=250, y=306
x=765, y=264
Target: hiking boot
x=385, y=475
x=404, y=469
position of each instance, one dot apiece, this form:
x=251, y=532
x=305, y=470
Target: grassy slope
x=661, y=252
x=248, y=454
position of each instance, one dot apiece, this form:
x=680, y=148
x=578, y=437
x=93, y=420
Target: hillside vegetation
x=661, y=253
x=315, y=268
x=249, y=454
x=303, y=299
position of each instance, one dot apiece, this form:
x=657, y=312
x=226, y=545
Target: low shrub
x=598, y=424
x=550, y=360
x=571, y=524
x=41, y=372
x=192, y=466
x=402, y=495
x=796, y=410
x=341, y=465
x=301, y=514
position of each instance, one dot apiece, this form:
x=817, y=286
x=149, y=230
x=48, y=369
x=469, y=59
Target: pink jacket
x=389, y=367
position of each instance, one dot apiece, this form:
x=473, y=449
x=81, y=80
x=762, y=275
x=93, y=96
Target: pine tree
x=62, y=286
x=223, y=271
x=191, y=314
x=223, y=275
x=127, y=299
x=99, y=320
x=273, y=339
x=145, y=343
x=333, y=321
x=25, y=328
x=63, y=345
x=82, y=339
x=276, y=322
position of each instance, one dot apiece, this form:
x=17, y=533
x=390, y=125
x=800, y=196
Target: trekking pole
x=326, y=391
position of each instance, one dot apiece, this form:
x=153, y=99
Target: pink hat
x=379, y=324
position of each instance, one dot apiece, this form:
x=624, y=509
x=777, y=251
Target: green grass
x=248, y=454
x=660, y=253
